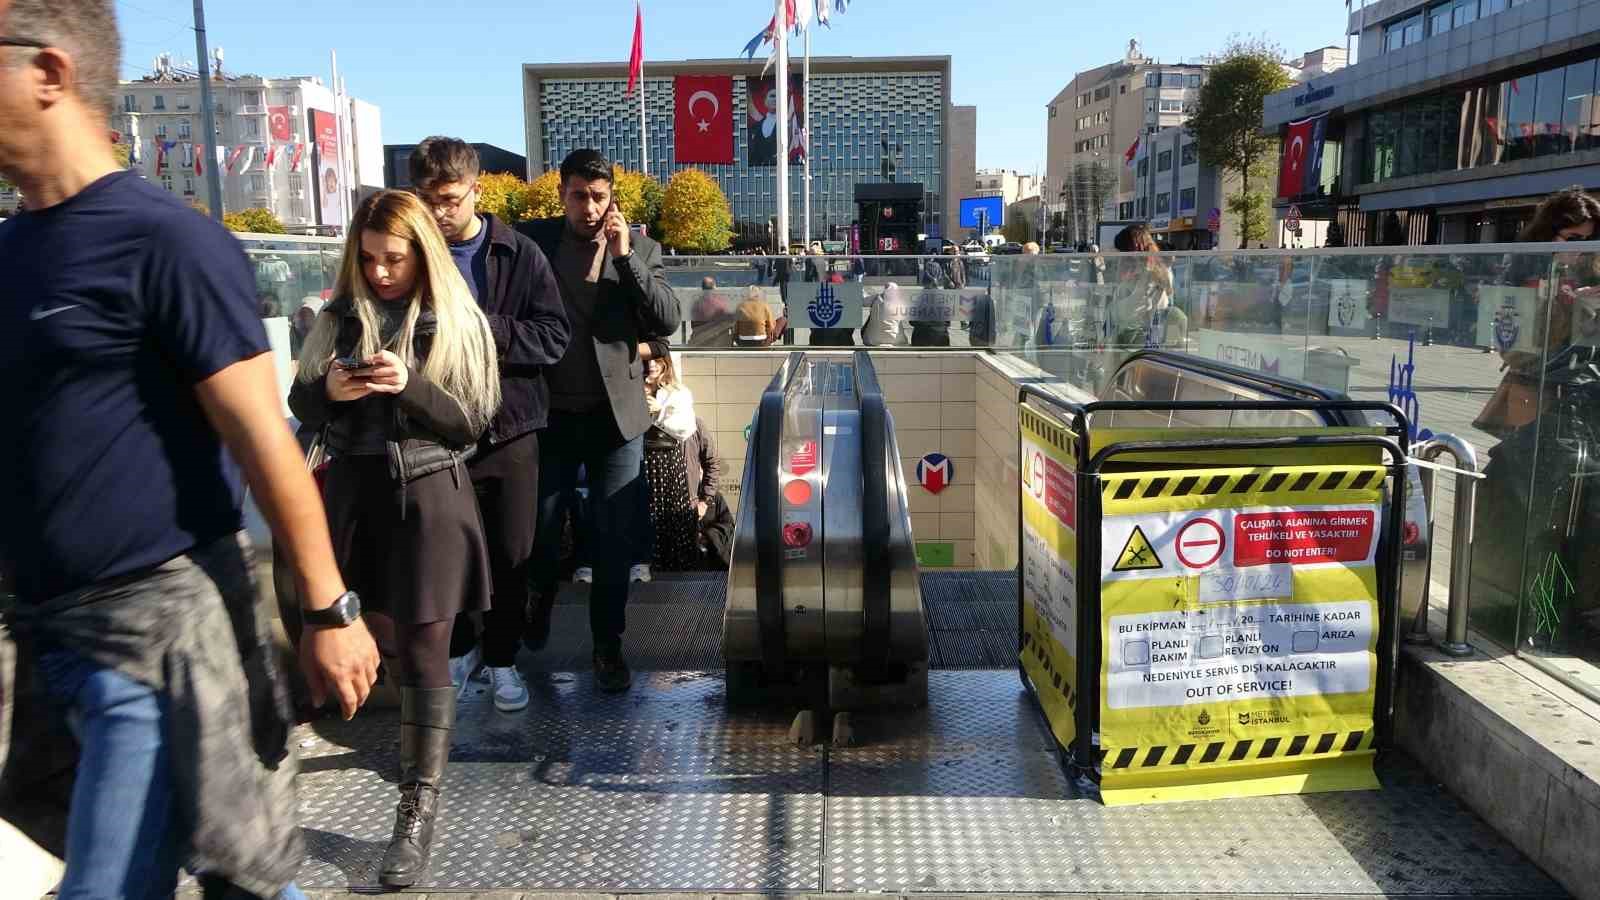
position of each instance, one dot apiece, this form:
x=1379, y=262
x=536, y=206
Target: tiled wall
x=932, y=397
x=995, y=519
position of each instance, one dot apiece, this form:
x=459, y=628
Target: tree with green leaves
x=1018, y=230
x=1227, y=125
x=254, y=220
x=695, y=215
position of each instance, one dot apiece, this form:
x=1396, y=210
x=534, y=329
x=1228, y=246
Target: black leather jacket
x=428, y=431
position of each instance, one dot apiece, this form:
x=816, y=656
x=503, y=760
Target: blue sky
x=454, y=67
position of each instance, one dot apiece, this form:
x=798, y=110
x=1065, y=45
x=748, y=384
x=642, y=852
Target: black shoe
x=426, y=717
x=611, y=671
x=407, y=857
x=536, y=620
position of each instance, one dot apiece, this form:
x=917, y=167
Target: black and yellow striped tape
x=1276, y=480
x=1057, y=680
x=1236, y=751
x=1053, y=432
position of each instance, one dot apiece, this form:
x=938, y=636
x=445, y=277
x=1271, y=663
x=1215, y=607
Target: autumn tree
x=1227, y=124
x=695, y=214
x=544, y=196
x=254, y=220
x=638, y=196
x=505, y=196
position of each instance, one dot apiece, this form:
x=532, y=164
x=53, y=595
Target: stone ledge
x=1519, y=748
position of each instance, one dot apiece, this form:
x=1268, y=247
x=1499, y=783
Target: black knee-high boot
x=426, y=717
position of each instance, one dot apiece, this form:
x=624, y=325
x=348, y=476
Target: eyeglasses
x=445, y=204
x=21, y=42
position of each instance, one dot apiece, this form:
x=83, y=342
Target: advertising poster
x=325, y=136
x=1423, y=307
x=1049, y=486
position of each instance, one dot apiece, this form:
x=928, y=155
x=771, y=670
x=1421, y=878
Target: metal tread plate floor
x=665, y=789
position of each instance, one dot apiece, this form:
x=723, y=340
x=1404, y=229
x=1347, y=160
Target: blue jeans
x=616, y=503
x=123, y=837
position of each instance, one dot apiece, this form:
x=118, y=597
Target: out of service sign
x=1239, y=629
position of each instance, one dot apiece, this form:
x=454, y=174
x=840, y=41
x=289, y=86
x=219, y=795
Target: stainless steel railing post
x=1466, y=501
x=1419, y=624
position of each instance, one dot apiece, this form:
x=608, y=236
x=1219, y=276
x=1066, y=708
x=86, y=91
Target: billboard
x=992, y=210
x=329, y=183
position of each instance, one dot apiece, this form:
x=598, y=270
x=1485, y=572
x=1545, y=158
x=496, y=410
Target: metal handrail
x=769, y=514
x=1460, y=602
x=874, y=434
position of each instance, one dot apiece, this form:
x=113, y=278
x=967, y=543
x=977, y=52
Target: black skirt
x=672, y=512
x=416, y=555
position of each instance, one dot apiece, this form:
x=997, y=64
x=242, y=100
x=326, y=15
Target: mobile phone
x=352, y=363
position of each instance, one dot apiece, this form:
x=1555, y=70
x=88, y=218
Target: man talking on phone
x=616, y=294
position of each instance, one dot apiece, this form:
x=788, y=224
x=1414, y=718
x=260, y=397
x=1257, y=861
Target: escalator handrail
x=1397, y=431
x=769, y=513
x=1250, y=378
x=875, y=558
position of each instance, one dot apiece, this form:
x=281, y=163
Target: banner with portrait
x=761, y=121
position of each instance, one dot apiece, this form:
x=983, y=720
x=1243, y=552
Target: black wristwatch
x=344, y=610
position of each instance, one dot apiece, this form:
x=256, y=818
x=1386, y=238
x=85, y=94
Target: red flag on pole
x=636, y=58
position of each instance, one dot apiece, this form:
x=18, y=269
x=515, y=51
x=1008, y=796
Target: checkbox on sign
x=1305, y=642
x=1210, y=647
x=1136, y=653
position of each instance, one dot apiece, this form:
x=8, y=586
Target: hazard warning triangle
x=1137, y=554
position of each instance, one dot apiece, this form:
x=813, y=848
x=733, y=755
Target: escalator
x=824, y=605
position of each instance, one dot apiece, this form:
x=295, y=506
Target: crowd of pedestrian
x=464, y=377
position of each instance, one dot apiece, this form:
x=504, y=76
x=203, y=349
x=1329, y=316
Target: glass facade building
x=864, y=114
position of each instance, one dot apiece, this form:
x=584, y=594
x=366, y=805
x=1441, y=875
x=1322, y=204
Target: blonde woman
x=399, y=373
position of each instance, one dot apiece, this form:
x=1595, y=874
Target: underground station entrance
x=826, y=718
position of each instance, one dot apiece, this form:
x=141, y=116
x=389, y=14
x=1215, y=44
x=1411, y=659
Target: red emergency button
x=796, y=534
x=797, y=492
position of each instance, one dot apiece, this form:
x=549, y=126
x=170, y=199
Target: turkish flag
x=1297, y=154
x=278, y=122
x=702, y=120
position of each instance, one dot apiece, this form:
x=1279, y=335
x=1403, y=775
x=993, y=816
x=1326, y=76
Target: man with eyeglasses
x=137, y=382
x=514, y=283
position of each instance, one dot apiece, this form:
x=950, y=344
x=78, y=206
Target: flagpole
x=805, y=130
x=781, y=79
x=208, y=110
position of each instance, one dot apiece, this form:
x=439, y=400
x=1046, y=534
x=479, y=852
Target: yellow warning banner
x=1239, y=631
x=1050, y=568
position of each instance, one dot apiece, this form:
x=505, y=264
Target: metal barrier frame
x=1081, y=758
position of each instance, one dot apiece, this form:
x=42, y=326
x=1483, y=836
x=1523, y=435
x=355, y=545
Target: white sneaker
x=641, y=572
x=463, y=667
x=510, y=691
x=583, y=575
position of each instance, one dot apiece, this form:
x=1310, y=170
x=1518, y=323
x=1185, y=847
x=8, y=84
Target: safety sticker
x=1137, y=554
x=1190, y=543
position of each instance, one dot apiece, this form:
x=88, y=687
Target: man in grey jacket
x=616, y=294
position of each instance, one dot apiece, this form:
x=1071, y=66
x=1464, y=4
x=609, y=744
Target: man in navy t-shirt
x=137, y=382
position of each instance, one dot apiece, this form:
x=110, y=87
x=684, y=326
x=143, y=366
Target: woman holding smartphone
x=400, y=375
